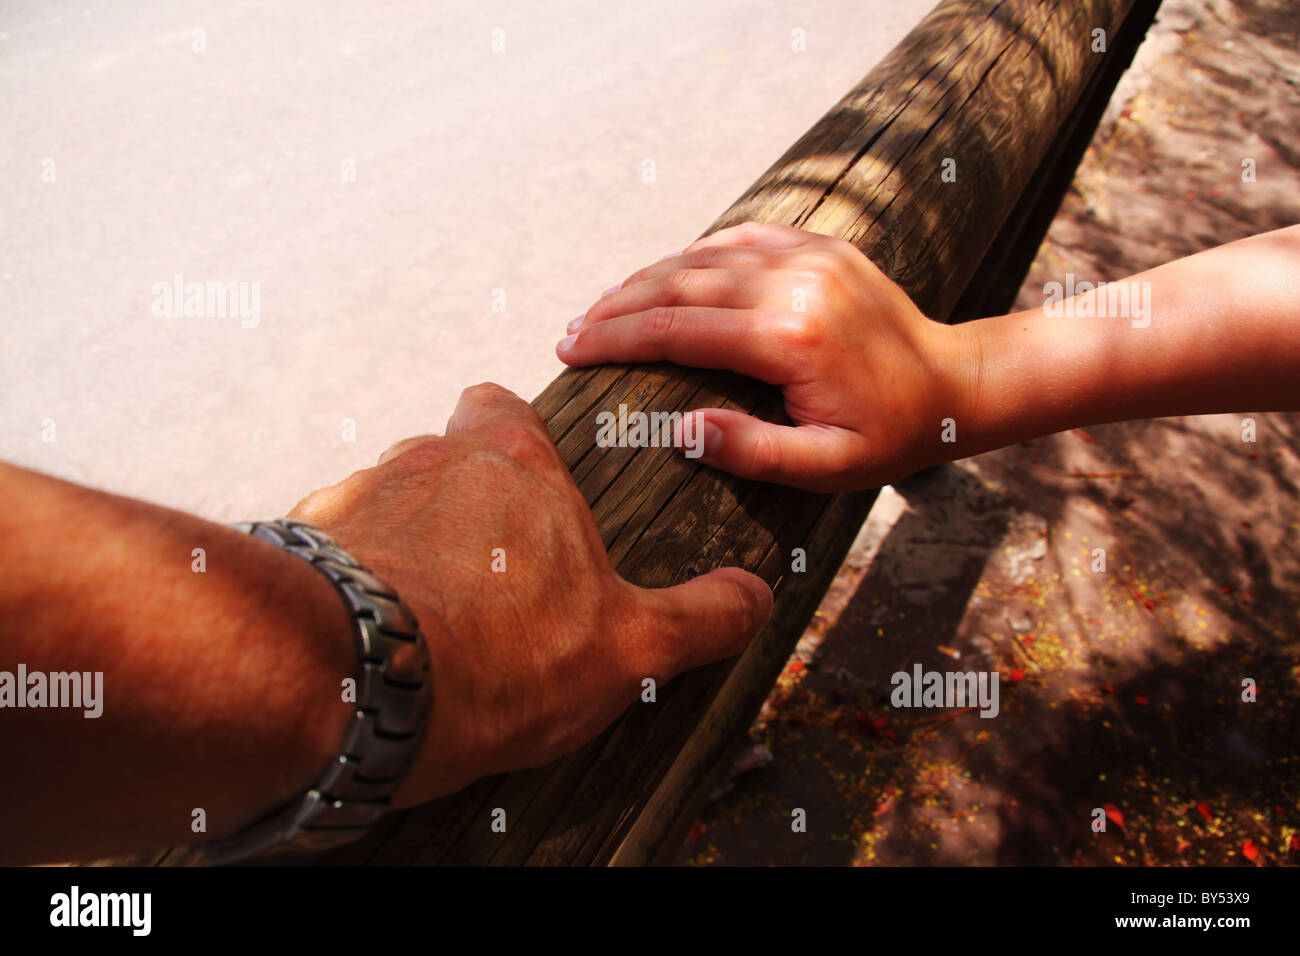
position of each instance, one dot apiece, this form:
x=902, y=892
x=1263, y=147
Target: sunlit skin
x=222, y=689
x=869, y=381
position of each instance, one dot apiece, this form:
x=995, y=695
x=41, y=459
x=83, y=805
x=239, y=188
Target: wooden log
x=995, y=86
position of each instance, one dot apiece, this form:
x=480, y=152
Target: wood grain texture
x=992, y=85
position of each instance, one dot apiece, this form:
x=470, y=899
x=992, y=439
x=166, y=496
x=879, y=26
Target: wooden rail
x=1009, y=90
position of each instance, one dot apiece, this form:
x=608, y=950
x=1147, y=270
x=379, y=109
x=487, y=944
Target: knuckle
x=803, y=332
x=764, y=454
x=678, y=284
x=818, y=274
x=324, y=505
x=309, y=508
x=830, y=267
x=661, y=322
x=708, y=257
x=418, y=447
x=486, y=393
x=841, y=246
x=831, y=248
x=521, y=444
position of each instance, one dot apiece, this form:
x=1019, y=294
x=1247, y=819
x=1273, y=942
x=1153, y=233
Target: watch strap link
x=393, y=700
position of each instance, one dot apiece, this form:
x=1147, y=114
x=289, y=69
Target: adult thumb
x=709, y=617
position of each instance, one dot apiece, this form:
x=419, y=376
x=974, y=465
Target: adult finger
x=706, y=619
x=491, y=406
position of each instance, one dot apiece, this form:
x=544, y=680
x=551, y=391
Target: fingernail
x=575, y=324
x=711, y=436
x=566, y=343
x=763, y=594
x=696, y=438
x=611, y=290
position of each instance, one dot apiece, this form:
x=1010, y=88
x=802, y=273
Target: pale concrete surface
x=475, y=171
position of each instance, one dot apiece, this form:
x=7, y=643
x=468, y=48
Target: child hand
x=866, y=378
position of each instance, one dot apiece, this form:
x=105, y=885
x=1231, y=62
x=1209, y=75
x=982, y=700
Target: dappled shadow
x=1121, y=689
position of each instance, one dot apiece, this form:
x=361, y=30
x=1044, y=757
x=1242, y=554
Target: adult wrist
x=386, y=699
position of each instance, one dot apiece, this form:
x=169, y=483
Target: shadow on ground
x=1121, y=683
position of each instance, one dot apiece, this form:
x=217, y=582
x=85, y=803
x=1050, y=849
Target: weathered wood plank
x=988, y=84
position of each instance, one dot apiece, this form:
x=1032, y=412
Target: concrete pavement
x=377, y=172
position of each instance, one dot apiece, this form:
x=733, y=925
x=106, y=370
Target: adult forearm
x=221, y=660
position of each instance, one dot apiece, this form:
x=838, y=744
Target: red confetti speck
x=880, y=723
x=795, y=667
x=1248, y=850
x=1279, y=810
x=1203, y=809
x=1112, y=814
x=697, y=831
x=1138, y=699
x=1016, y=677
x=1108, y=687
x=1295, y=843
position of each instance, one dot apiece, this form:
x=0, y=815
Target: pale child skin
x=872, y=384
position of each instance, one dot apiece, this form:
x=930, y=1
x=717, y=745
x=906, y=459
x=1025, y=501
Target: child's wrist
x=957, y=367
x=1022, y=381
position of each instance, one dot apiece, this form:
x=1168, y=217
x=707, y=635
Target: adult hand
x=531, y=661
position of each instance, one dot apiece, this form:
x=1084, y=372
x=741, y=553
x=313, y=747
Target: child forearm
x=1215, y=332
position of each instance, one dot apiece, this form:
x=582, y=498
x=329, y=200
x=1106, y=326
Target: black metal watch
x=393, y=700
